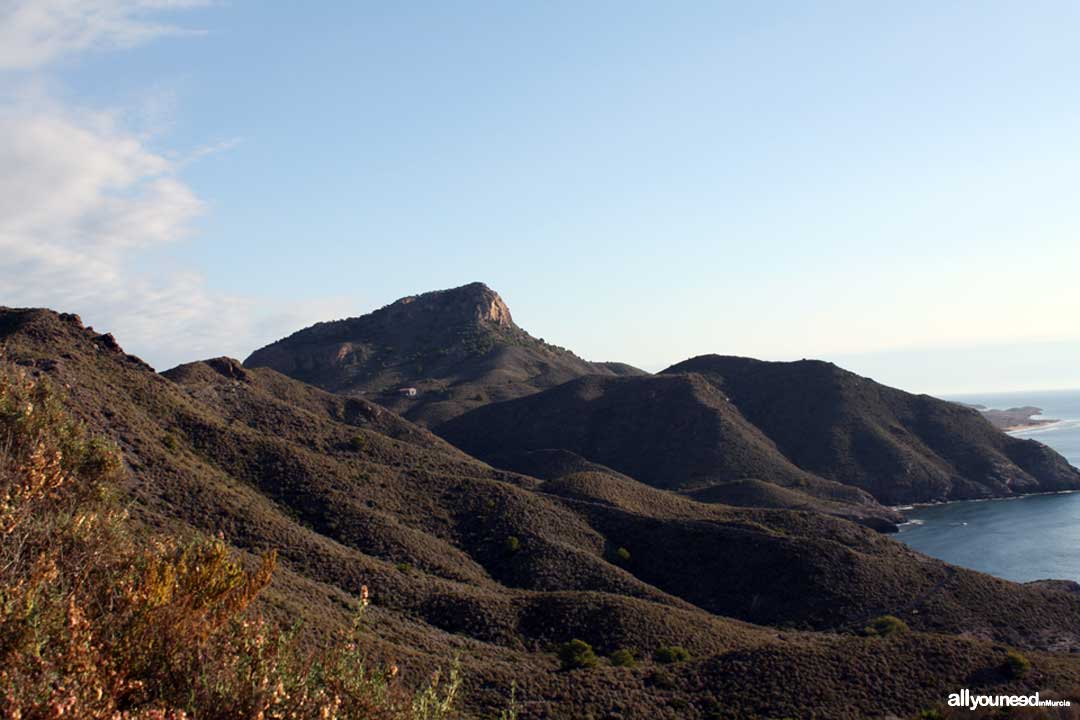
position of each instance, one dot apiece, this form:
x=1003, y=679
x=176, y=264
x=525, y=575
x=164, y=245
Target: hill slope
x=898, y=446
x=458, y=348
x=351, y=494
x=676, y=432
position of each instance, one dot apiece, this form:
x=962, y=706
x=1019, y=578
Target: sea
x=1028, y=538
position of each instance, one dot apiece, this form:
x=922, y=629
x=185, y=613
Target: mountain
x=744, y=432
x=900, y=447
x=458, y=349
x=675, y=432
x=500, y=568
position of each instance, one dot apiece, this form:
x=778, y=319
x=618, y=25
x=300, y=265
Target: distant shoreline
x=1018, y=496
x=1034, y=425
x=1014, y=418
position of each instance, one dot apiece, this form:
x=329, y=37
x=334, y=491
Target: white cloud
x=81, y=204
x=87, y=206
x=78, y=202
x=34, y=33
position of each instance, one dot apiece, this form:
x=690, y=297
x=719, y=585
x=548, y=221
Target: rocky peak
x=229, y=367
x=429, y=356
x=475, y=302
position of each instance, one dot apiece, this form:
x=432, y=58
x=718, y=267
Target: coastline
x=1019, y=496
x=1045, y=425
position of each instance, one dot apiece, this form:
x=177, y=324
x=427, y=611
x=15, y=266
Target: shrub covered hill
x=681, y=609
x=457, y=348
x=804, y=435
x=898, y=446
x=733, y=429
x=675, y=432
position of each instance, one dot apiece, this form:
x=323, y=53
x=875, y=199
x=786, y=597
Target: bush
x=885, y=626
x=512, y=544
x=404, y=567
x=358, y=443
x=511, y=711
x=623, y=658
x=623, y=554
x=1016, y=665
x=667, y=654
x=663, y=680
x=100, y=621
x=577, y=654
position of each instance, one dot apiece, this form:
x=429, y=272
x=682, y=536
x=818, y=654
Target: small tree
x=623, y=657
x=662, y=679
x=623, y=554
x=667, y=654
x=577, y=654
x=1016, y=664
x=885, y=626
x=512, y=544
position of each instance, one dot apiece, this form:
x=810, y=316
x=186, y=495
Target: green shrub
x=623, y=554
x=662, y=680
x=101, y=619
x=511, y=711
x=623, y=657
x=171, y=442
x=668, y=654
x=885, y=626
x=577, y=654
x=404, y=567
x=358, y=443
x=512, y=544
x=1016, y=664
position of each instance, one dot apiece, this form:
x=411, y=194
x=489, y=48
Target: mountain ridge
x=896, y=445
x=443, y=359
x=674, y=432
x=457, y=349
x=770, y=604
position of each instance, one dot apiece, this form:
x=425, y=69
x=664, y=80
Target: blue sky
x=890, y=187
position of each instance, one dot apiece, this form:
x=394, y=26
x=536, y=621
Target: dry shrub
x=99, y=621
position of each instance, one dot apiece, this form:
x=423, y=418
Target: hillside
x=675, y=432
x=500, y=568
x=457, y=348
x=898, y=446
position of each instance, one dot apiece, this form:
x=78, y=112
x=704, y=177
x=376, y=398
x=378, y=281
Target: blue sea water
x=1028, y=538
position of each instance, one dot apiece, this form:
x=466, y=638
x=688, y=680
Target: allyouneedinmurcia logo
x=965, y=698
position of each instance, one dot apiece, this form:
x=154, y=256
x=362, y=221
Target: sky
x=891, y=186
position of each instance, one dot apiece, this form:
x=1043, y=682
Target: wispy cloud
x=80, y=201
x=210, y=149
x=34, y=33
x=86, y=203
